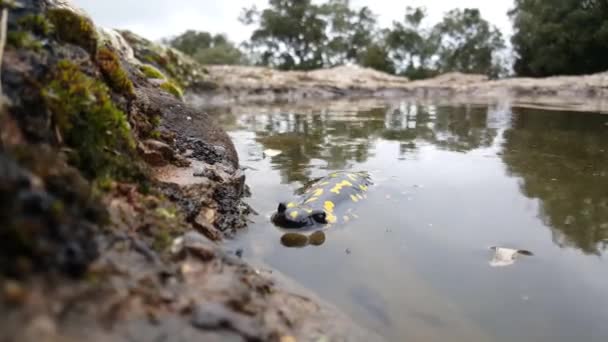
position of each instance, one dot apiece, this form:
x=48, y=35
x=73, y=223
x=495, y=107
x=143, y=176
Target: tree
x=413, y=46
x=290, y=34
x=560, y=37
x=377, y=57
x=351, y=32
x=467, y=43
x=207, y=48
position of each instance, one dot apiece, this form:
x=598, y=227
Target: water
x=450, y=183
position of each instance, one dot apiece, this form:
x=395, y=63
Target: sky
x=155, y=19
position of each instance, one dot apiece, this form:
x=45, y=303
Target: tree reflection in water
x=562, y=159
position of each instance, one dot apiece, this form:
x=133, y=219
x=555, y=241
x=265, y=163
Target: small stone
x=14, y=292
x=288, y=339
x=348, y=251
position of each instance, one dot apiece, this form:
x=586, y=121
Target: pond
x=449, y=183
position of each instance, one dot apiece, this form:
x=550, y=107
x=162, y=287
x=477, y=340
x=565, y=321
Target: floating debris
x=506, y=256
x=348, y=251
x=272, y=153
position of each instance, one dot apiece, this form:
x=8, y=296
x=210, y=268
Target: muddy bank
x=114, y=194
x=247, y=84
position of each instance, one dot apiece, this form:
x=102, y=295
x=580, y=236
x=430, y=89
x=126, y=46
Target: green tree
x=412, y=46
x=350, y=32
x=290, y=34
x=376, y=56
x=560, y=37
x=207, y=48
x=467, y=43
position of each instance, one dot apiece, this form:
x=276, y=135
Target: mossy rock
x=74, y=28
x=173, y=89
x=115, y=75
x=151, y=72
x=37, y=24
x=23, y=40
x=90, y=123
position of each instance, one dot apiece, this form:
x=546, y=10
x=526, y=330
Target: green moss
x=151, y=72
x=155, y=135
x=36, y=23
x=90, y=123
x=74, y=28
x=172, y=88
x=23, y=40
x=112, y=70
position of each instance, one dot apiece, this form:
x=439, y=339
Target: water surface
x=450, y=182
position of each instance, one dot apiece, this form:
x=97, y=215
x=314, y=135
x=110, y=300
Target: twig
x=3, y=29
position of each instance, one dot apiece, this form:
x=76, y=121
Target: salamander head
x=292, y=216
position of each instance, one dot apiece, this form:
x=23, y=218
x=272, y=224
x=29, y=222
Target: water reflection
x=339, y=139
x=451, y=182
x=563, y=161
x=562, y=157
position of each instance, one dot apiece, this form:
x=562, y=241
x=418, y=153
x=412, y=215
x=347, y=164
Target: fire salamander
x=325, y=202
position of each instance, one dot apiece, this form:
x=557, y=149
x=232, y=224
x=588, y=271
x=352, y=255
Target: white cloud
x=155, y=19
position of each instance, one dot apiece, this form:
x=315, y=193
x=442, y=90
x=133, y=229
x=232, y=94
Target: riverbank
x=236, y=84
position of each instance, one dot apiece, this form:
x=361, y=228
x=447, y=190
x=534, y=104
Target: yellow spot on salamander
x=331, y=218
x=329, y=206
x=363, y=187
x=294, y=214
x=323, y=183
x=310, y=200
x=354, y=198
x=336, y=189
x=318, y=193
x=291, y=205
x=307, y=210
x=352, y=177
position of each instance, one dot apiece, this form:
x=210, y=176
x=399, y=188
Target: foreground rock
x=100, y=239
x=246, y=84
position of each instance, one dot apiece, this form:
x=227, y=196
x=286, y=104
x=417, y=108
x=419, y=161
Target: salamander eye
x=282, y=207
x=320, y=217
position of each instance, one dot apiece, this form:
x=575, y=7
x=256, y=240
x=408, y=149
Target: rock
x=14, y=293
x=218, y=316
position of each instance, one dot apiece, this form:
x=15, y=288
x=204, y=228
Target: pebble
x=348, y=251
x=14, y=292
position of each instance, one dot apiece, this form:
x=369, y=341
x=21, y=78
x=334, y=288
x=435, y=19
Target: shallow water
x=450, y=182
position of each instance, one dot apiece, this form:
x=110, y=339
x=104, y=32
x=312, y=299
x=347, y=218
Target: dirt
x=238, y=85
